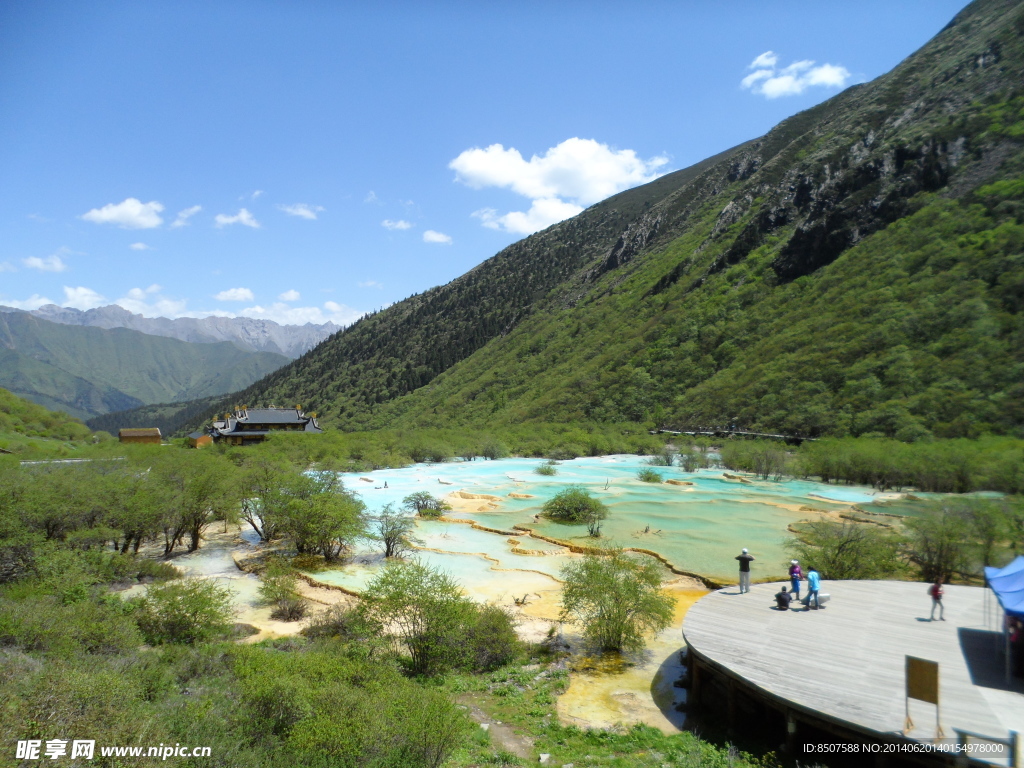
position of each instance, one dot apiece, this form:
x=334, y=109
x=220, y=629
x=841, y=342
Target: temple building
x=252, y=425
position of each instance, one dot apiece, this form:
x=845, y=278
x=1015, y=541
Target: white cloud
x=567, y=177
x=400, y=224
x=235, y=294
x=256, y=193
x=140, y=247
x=542, y=214
x=290, y=295
x=242, y=217
x=371, y=197
x=185, y=215
x=771, y=82
x=6, y=266
x=582, y=170
x=766, y=60
x=430, y=236
x=149, y=303
x=52, y=263
x=82, y=298
x=370, y=284
x=288, y=315
x=130, y=214
x=35, y=301
x=302, y=210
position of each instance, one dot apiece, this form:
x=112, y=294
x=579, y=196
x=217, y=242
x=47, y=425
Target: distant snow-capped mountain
x=246, y=332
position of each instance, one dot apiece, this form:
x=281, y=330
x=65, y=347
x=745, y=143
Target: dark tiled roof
x=139, y=432
x=196, y=435
x=273, y=416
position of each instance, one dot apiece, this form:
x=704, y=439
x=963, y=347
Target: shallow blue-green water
x=699, y=528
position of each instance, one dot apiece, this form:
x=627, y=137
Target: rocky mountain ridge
x=256, y=335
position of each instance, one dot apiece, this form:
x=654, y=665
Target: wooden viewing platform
x=841, y=669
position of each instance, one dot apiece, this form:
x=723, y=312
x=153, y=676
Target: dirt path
x=502, y=736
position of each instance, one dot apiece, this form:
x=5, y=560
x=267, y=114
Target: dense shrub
x=184, y=611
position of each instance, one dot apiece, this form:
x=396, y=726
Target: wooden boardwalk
x=845, y=664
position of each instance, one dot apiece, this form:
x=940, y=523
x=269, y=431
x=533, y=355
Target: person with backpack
x=795, y=574
x=813, y=585
x=935, y=591
x=745, y=558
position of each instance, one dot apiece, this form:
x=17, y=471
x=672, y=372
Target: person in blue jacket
x=813, y=585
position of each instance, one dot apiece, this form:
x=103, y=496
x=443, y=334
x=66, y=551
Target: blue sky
x=305, y=161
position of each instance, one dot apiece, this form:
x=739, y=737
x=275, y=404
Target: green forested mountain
x=859, y=269
x=88, y=371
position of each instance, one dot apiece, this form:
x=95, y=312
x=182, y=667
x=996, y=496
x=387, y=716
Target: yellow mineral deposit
x=626, y=689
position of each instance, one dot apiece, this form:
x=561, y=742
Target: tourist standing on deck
x=795, y=574
x=744, y=557
x=935, y=590
x=813, y=585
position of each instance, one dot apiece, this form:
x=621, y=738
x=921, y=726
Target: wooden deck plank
x=846, y=662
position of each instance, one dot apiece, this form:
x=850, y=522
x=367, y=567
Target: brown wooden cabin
x=199, y=439
x=140, y=435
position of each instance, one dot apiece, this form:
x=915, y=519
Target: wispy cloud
x=370, y=284
x=768, y=80
x=140, y=247
x=52, y=263
x=291, y=295
x=400, y=224
x=371, y=197
x=560, y=182
x=129, y=214
x=243, y=217
x=185, y=215
x=256, y=193
x=430, y=236
x=6, y=266
x=302, y=210
x=235, y=294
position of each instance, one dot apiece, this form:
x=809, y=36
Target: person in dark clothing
x=783, y=599
x=745, y=558
x=935, y=591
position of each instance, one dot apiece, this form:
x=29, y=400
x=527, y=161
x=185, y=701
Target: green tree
x=617, y=598
x=847, y=550
x=424, y=611
x=425, y=504
x=265, y=481
x=575, y=505
x=322, y=517
x=393, y=529
x=198, y=488
x=649, y=475
x=939, y=542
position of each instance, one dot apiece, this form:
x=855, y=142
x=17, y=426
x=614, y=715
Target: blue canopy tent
x=1008, y=585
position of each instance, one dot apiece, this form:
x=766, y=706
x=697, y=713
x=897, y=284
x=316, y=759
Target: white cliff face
x=246, y=332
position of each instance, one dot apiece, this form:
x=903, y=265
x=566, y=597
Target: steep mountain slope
x=246, y=332
x=857, y=269
x=89, y=371
x=22, y=422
